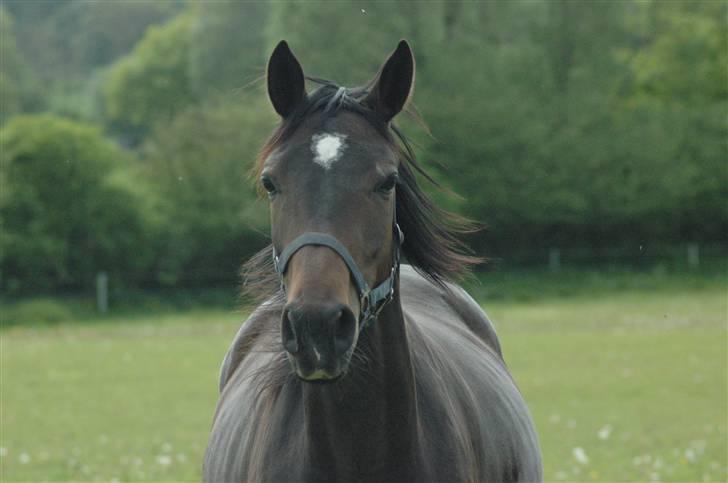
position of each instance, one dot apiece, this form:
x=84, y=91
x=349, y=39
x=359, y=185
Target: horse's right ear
x=286, y=85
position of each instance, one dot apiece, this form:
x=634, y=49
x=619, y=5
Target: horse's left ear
x=394, y=83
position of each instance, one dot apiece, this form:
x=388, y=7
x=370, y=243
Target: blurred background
x=589, y=137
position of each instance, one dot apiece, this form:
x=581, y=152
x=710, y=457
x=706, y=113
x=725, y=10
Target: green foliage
x=152, y=83
x=682, y=34
x=64, y=215
x=74, y=37
x=227, y=47
x=351, y=40
x=199, y=164
x=18, y=90
x=97, y=33
x=559, y=146
x=64, y=45
x=584, y=125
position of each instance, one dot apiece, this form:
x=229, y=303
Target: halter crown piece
x=371, y=301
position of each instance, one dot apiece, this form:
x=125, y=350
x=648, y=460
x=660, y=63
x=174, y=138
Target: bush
x=36, y=311
x=64, y=213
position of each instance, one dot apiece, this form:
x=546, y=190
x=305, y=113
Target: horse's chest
x=255, y=439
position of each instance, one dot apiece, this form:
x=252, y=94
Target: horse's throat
x=370, y=416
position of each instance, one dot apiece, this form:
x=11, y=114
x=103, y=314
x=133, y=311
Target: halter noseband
x=371, y=301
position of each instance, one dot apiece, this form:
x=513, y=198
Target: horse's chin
x=322, y=375
x=319, y=376
x=321, y=381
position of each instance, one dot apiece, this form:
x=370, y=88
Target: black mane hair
x=431, y=234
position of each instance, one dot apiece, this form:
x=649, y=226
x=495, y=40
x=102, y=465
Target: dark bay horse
x=354, y=368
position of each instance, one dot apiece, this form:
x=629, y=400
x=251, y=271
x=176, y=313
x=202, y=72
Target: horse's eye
x=268, y=185
x=388, y=184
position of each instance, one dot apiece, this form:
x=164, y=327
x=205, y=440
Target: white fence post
x=102, y=292
x=554, y=259
x=693, y=255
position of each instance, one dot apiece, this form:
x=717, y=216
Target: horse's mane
x=431, y=234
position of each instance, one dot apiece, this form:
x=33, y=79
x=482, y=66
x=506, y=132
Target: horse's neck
x=372, y=412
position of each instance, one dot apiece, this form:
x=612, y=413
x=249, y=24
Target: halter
x=371, y=301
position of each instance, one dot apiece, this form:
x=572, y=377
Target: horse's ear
x=394, y=83
x=286, y=85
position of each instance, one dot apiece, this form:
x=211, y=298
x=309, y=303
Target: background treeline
x=128, y=127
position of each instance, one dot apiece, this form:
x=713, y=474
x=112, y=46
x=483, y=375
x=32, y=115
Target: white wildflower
x=580, y=455
x=604, y=433
x=690, y=454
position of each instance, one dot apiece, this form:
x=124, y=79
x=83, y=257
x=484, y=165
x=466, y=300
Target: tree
x=678, y=73
x=152, y=83
x=18, y=90
x=227, y=48
x=683, y=34
x=198, y=164
x=556, y=137
x=353, y=41
x=73, y=37
x=65, y=211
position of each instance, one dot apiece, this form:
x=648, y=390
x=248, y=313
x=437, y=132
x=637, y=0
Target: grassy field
x=623, y=385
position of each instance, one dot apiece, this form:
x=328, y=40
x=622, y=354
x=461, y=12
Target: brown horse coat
x=318, y=386
x=470, y=421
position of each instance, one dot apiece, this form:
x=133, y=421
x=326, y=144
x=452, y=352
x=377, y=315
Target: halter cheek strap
x=371, y=301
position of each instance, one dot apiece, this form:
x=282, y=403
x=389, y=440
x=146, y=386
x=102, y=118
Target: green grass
x=105, y=401
x=651, y=368
x=133, y=399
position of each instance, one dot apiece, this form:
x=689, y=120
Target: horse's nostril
x=288, y=333
x=344, y=331
x=340, y=324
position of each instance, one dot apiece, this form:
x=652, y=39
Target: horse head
x=331, y=175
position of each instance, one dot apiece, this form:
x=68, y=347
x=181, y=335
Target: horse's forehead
x=326, y=141
x=349, y=124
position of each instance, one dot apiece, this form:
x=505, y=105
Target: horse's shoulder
x=464, y=390
x=257, y=323
x=419, y=291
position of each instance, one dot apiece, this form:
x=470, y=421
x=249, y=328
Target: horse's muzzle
x=319, y=339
